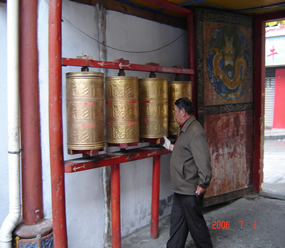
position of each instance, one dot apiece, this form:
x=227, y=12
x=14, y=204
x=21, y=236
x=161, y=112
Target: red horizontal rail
x=83, y=164
x=124, y=65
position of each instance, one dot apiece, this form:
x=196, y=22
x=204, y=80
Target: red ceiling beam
x=169, y=6
x=275, y=16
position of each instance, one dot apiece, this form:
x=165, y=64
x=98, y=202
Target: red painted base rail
x=82, y=164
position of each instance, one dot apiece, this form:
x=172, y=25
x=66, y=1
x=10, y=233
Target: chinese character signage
x=275, y=51
x=274, y=45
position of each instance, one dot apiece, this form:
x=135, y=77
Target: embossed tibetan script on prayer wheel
x=153, y=107
x=85, y=110
x=122, y=110
x=176, y=90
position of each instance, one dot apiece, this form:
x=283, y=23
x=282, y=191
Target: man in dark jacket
x=190, y=171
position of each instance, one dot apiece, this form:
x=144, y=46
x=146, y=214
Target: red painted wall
x=279, y=113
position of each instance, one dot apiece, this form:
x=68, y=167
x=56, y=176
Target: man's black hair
x=186, y=104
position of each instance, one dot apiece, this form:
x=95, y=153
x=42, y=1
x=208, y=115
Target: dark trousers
x=187, y=215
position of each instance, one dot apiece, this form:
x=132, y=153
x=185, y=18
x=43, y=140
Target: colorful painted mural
x=227, y=64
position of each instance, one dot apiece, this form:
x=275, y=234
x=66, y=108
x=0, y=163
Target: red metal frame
x=55, y=126
x=114, y=160
x=82, y=164
x=155, y=197
x=125, y=66
x=115, y=205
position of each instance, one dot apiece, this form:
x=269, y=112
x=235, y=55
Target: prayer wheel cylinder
x=176, y=90
x=85, y=110
x=153, y=108
x=122, y=110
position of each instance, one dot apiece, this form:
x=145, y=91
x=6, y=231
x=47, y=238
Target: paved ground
x=274, y=164
x=256, y=221
x=274, y=134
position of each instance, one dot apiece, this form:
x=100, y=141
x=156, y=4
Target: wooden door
x=225, y=100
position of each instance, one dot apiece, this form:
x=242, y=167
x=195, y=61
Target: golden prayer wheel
x=153, y=108
x=122, y=110
x=176, y=90
x=85, y=110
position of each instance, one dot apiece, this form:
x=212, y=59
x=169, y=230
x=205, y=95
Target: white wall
x=85, y=205
x=43, y=86
x=129, y=33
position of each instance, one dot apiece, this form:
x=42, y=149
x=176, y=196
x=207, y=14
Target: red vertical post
x=115, y=206
x=155, y=196
x=259, y=99
x=55, y=126
x=30, y=114
x=259, y=93
x=191, y=54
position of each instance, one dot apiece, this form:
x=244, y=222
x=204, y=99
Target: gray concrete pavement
x=274, y=168
x=254, y=222
x=274, y=134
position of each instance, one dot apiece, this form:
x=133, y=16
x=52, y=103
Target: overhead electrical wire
x=121, y=50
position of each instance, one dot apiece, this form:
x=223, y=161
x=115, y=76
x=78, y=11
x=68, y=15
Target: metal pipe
x=155, y=197
x=55, y=125
x=30, y=115
x=13, y=124
x=115, y=206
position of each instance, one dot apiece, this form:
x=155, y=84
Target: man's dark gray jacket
x=190, y=163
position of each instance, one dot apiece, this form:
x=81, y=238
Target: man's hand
x=200, y=190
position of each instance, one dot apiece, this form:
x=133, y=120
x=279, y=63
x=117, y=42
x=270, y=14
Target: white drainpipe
x=13, y=124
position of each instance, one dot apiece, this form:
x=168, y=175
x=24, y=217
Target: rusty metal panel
x=230, y=138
